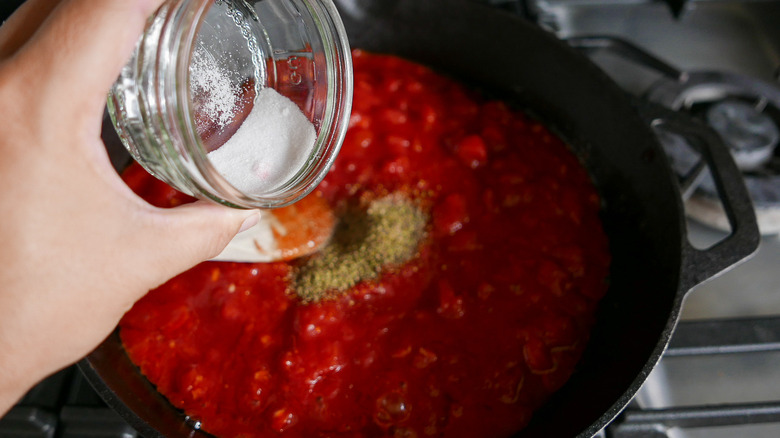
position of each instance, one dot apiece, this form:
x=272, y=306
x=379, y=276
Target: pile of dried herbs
x=367, y=240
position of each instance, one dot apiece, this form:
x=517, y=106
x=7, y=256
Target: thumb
x=195, y=232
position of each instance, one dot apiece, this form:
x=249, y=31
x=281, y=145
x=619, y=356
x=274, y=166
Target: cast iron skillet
x=653, y=267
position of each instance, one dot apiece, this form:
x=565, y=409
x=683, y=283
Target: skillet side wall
x=642, y=211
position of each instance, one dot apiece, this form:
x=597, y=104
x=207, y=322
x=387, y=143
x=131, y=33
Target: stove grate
x=705, y=338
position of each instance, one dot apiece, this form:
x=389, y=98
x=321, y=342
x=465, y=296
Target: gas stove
x=716, y=60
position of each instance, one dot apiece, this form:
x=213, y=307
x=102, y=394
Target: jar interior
x=241, y=49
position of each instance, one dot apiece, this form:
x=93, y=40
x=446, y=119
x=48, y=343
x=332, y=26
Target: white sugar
x=272, y=144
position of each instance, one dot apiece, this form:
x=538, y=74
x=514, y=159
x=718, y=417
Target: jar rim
x=189, y=15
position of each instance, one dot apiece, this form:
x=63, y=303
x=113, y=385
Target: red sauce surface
x=465, y=340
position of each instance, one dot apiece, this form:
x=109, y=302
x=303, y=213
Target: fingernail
x=250, y=222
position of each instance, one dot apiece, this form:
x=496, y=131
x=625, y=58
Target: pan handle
x=699, y=265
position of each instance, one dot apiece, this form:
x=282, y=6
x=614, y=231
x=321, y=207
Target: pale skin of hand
x=78, y=247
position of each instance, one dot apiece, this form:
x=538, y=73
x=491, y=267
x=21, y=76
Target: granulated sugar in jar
x=242, y=102
x=272, y=143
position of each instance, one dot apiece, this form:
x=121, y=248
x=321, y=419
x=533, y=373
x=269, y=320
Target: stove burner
x=751, y=135
x=745, y=112
x=683, y=90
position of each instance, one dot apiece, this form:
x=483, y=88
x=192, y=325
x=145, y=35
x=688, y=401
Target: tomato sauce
x=466, y=339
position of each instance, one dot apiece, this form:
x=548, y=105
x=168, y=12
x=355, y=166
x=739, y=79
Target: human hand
x=78, y=247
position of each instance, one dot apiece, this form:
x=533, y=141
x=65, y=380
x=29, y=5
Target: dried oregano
x=367, y=240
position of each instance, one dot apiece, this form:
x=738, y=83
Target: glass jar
x=201, y=65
